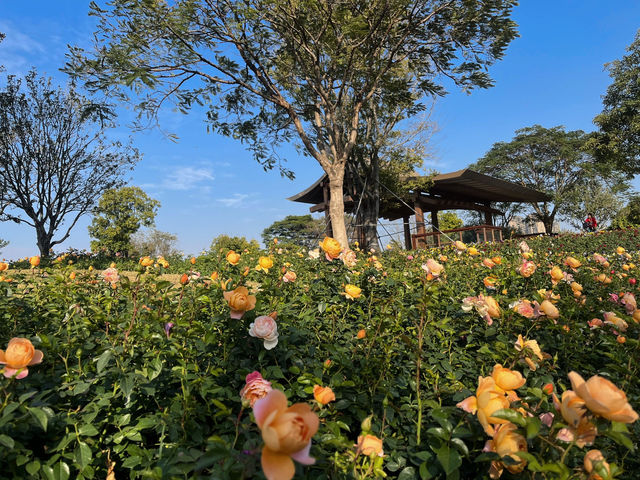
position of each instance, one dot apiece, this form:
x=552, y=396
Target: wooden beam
x=419, y=221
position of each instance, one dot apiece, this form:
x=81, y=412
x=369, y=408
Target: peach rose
x=556, y=274
x=532, y=345
x=255, y=388
x=488, y=399
x=352, y=292
x=507, y=379
x=527, y=268
x=348, y=257
x=603, y=398
x=232, y=257
x=611, y=318
x=264, y=264
x=369, y=445
x=266, y=328
x=323, y=395
x=593, y=459
x=549, y=309
x=524, y=308
x=289, y=276
x=493, y=307
x=110, y=275
x=487, y=262
x=239, y=301
x=286, y=432
x=331, y=248
x=460, y=246
x=19, y=355
x=433, y=268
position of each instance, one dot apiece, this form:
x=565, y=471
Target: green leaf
x=33, y=467
x=7, y=441
x=40, y=416
x=83, y=454
x=511, y=415
x=103, y=360
x=449, y=458
x=408, y=473
x=88, y=430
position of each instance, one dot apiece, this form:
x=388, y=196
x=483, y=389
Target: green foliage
x=119, y=391
x=301, y=230
x=223, y=243
x=449, y=220
x=629, y=215
x=619, y=137
x=120, y=213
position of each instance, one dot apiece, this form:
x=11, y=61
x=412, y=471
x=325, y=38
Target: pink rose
x=289, y=276
x=256, y=388
x=265, y=327
x=110, y=275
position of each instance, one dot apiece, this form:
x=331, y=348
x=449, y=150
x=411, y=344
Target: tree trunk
x=368, y=217
x=336, y=206
x=547, y=221
x=44, y=241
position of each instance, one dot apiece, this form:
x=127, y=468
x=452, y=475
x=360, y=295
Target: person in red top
x=590, y=224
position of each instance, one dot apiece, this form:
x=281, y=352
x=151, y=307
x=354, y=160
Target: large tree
x=299, y=229
x=55, y=160
x=619, y=122
x=273, y=70
x=120, y=214
x=550, y=160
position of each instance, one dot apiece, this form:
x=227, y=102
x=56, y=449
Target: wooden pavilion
x=461, y=190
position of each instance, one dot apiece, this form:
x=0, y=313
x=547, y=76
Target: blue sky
x=208, y=185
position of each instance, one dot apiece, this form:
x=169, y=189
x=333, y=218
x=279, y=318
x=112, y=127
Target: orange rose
x=556, y=274
x=34, y=261
x=323, y=395
x=572, y=262
x=3, y=266
x=603, y=398
x=361, y=334
x=488, y=399
x=497, y=260
x=286, y=432
x=506, y=443
x=369, y=445
x=490, y=281
x=351, y=292
x=507, y=379
x=232, y=257
x=487, y=262
x=184, y=279
x=239, y=301
x=493, y=308
x=331, y=248
x=19, y=355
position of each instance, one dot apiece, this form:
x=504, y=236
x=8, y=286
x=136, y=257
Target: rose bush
x=141, y=377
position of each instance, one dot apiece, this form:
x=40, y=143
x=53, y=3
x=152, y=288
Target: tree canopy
x=120, y=214
x=55, y=159
x=619, y=136
x=298, y=229
x=274, y=70
x=550, y=160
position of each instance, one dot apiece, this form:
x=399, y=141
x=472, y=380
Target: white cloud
x=234, y=200
x=187, y=178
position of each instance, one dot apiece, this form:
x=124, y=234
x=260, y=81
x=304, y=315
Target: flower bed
x=452, y=363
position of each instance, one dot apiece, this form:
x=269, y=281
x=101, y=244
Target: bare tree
x=54, y=158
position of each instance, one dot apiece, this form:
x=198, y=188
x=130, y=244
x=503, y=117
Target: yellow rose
x=493, y=308
x=34, y=261
x=232, y=257
x=369, y=445
x=460, y=246
x=571, y=407
x=603, y=398
x=286, y=432
x=489, y=399
x=264, y=264
x=19, y=355
x=572, y=262
x=323, y=395
x=352, y=292
x=620, y=250
x=507, y=379
x=239, y=301
x=146, y=261
x=472, y=251
x=556, y=274
x=331, y=248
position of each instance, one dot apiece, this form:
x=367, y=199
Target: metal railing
x=483, y=233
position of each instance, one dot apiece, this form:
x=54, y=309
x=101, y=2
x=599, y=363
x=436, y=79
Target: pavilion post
x=419, y=223
x=327, y=217
x=407, y=232
x=436, y=225
x=488, y=218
